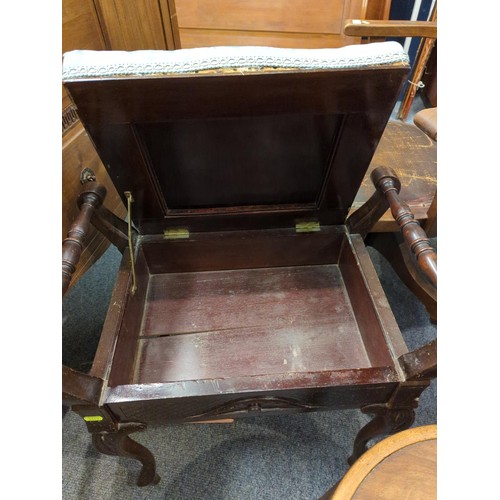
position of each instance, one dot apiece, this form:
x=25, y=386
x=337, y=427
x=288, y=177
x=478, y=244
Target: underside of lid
x=211, y=149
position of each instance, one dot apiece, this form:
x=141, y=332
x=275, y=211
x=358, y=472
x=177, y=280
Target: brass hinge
x=176, y=233
x=310, y=226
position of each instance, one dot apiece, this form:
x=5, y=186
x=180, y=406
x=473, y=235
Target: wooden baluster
x=386, y=182
x=88, y=201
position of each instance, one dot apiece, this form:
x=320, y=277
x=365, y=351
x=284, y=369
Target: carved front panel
x=192, y=409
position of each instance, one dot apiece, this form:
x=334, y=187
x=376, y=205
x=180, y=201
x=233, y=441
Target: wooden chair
x=244, y=288
x=411, y=151
x=399, y=466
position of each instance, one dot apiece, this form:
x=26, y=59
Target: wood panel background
x=80, y=30
x=137, y=24
x=279, y=23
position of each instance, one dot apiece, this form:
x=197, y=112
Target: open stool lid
x=236, y=137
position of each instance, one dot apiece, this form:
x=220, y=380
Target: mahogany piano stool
x=244, y=288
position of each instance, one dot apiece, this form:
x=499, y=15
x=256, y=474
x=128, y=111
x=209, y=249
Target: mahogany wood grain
x=303, y=317
x=347, y=176
x=80, y=388
x=245, y=315
x=126, y=342
x=104, y=357
x=266, y=174
x=89, y=200
x=227, y=324
x=216, y=251
x=111, y=437
x=298, y=297
x=381, y=381
x=396, y=414
x=239, y=398
x=380, y=331
x=163, y=99
x=421, y=363
x=78, y=153
x=119, y=443
x=107, y=107
x=363, y=220
x=112, y=227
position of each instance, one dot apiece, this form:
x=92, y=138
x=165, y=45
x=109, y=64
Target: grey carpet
x=269, y=457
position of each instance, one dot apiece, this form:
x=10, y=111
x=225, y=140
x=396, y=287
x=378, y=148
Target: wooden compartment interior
x=237, y=304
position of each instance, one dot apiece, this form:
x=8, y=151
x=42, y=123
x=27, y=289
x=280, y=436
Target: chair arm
x=374, y=28
x=426, y=121
x=420, y=364
x=112, y=227
x=80, y=388
x=388, y=184
x=88, y=201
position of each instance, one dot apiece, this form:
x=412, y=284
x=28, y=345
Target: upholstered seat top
x=82, y=64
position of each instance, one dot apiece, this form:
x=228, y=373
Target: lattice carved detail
x=69, y=118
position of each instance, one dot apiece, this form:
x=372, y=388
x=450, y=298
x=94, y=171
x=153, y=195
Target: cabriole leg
x=385, y=422
x=112, y=438
x=394, y=416
x=120, y=444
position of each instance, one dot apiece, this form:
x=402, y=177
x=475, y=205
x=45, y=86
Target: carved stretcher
x=244, y=288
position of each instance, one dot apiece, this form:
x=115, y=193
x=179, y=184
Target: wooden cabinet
x=81, y=30
x=137, y=24
x=280, y=23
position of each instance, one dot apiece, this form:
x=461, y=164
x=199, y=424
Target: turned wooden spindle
x=386, y=181
x=88, y=201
